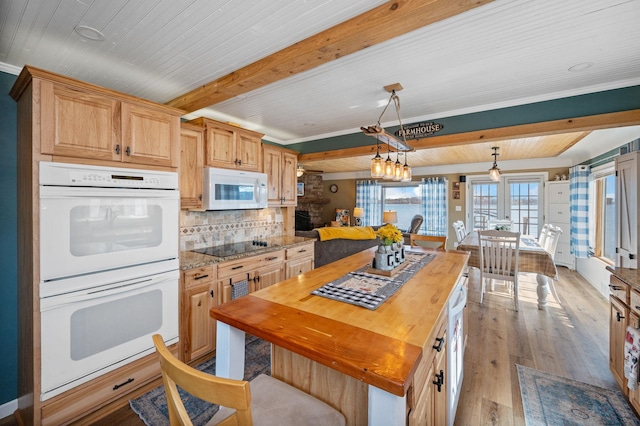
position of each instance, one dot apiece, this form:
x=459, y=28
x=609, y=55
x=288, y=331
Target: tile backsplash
x=214, y=228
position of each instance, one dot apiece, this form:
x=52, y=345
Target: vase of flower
x=385, y=258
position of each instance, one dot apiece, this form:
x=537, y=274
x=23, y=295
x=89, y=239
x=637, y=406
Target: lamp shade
x=390, y=216
x=358, y=212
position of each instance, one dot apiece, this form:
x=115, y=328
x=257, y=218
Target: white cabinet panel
x=627, y=210
x=558, y=214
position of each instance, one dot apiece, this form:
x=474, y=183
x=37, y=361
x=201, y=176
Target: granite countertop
x=629, y=276
x=190, y=259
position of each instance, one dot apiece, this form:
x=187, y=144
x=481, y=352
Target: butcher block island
x=381, y=366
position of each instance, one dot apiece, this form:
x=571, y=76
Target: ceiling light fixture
x=494, y=172
x=389, y=170
x=89, y=33
x=377, y=163
x=299, y=171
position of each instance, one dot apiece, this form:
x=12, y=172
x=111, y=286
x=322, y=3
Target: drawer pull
x=116, y=387
x=615, y=287
x=272, y=258
x=440, y=341
x=237, y=267
x=619, y=316
x=201, y=277
x=302, y=251
x=212, y=294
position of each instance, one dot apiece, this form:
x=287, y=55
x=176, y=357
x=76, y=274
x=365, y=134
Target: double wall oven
x=109, y=269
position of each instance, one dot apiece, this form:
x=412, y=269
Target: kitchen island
x=372, y=365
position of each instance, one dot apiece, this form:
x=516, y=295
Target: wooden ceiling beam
x=578, y=124
x=380, y=24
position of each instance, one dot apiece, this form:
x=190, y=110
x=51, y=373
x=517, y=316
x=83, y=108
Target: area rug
x=152, y=406
x=548, y=399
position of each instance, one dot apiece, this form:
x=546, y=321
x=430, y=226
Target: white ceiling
x=508, y=52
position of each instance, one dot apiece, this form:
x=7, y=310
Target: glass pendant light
x=397, y=168
x=388, y=166
x=494, y=172
x=406, y=170
x=377, y=164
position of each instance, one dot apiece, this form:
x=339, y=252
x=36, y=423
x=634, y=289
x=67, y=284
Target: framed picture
x=456, y=195
x=342, y=216
x=300, y=191
x=456, y=186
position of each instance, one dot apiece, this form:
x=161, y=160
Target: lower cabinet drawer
x=619, y=289
x=78, y=402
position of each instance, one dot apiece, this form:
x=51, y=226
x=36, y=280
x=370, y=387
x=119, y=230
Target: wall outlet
x=458, y=208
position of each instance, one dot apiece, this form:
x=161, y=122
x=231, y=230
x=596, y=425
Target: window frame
x=597, y=210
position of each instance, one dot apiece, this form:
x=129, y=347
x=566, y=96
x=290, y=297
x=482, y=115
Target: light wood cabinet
x=191, y=163
x=558, y=215
x=634, y=320
x=280, y=165
x=197, y=329
x=299, y=259
x=428, y=393
x=98, y=125
x=231, y=147
x=618, y=320
x=259, y=271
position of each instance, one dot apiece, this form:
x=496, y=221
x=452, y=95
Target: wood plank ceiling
x=300, y=71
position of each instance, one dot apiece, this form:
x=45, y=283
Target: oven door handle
x=61, y=300
x=461, y=302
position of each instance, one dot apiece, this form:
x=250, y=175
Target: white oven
x=100, y=218
x=93, y=331
x=109, y=269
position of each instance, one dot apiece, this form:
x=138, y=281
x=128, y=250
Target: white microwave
x=225, y=189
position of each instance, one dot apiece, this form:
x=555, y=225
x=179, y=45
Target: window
x=406, y=200
x=516, y=197
x=602, y=211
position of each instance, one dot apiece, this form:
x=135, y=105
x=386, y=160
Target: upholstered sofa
x=331, y=250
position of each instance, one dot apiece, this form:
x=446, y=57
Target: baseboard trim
x=7, y=409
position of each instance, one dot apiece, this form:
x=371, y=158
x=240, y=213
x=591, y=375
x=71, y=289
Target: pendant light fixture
x=390, y=170
x=494, y=172
x=377, y=163
x=406, y=170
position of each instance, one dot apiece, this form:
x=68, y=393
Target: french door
x=516, y=197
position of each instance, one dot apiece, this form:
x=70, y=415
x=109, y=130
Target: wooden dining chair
x=428, y=241
x=549, y=243
x=263, y=401
x=499, y=253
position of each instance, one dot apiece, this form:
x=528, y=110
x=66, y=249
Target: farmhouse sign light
x=419, y=130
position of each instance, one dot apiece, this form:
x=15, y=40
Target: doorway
x=518, y=198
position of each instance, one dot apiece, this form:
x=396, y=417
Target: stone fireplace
x=312, y=200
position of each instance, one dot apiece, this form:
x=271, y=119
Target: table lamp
x=358, y=213
x=390, y=216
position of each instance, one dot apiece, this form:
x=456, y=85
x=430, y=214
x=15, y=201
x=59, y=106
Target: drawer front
x=558, y=193
x=199, y=276
x=90, y=396
x=299, y=251
x=634, y=303
x=619, y=289
x=559, y=213
x=248, y=264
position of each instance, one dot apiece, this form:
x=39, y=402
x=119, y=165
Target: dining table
x=533, y=258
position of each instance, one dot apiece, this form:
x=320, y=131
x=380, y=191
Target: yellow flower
x=389, y=234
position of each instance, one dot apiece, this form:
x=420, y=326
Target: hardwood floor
x=570, y=340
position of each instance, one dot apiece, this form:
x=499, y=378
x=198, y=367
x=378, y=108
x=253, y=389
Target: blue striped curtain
x=434, y=206
x=579, y=210
x=369, y=197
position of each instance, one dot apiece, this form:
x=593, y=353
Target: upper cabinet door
x=289, y=179
x=191, y=153
x=149, y=136
x=221, y=148
x=77, y=124
x=249, y=152
x=273, y=169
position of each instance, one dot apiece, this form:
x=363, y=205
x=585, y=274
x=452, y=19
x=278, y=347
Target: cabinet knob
x=619, y=316
x=118, y=149
x=212, y=294
x=128, y=151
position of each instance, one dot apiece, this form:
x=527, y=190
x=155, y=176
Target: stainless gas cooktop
x=234, y=248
